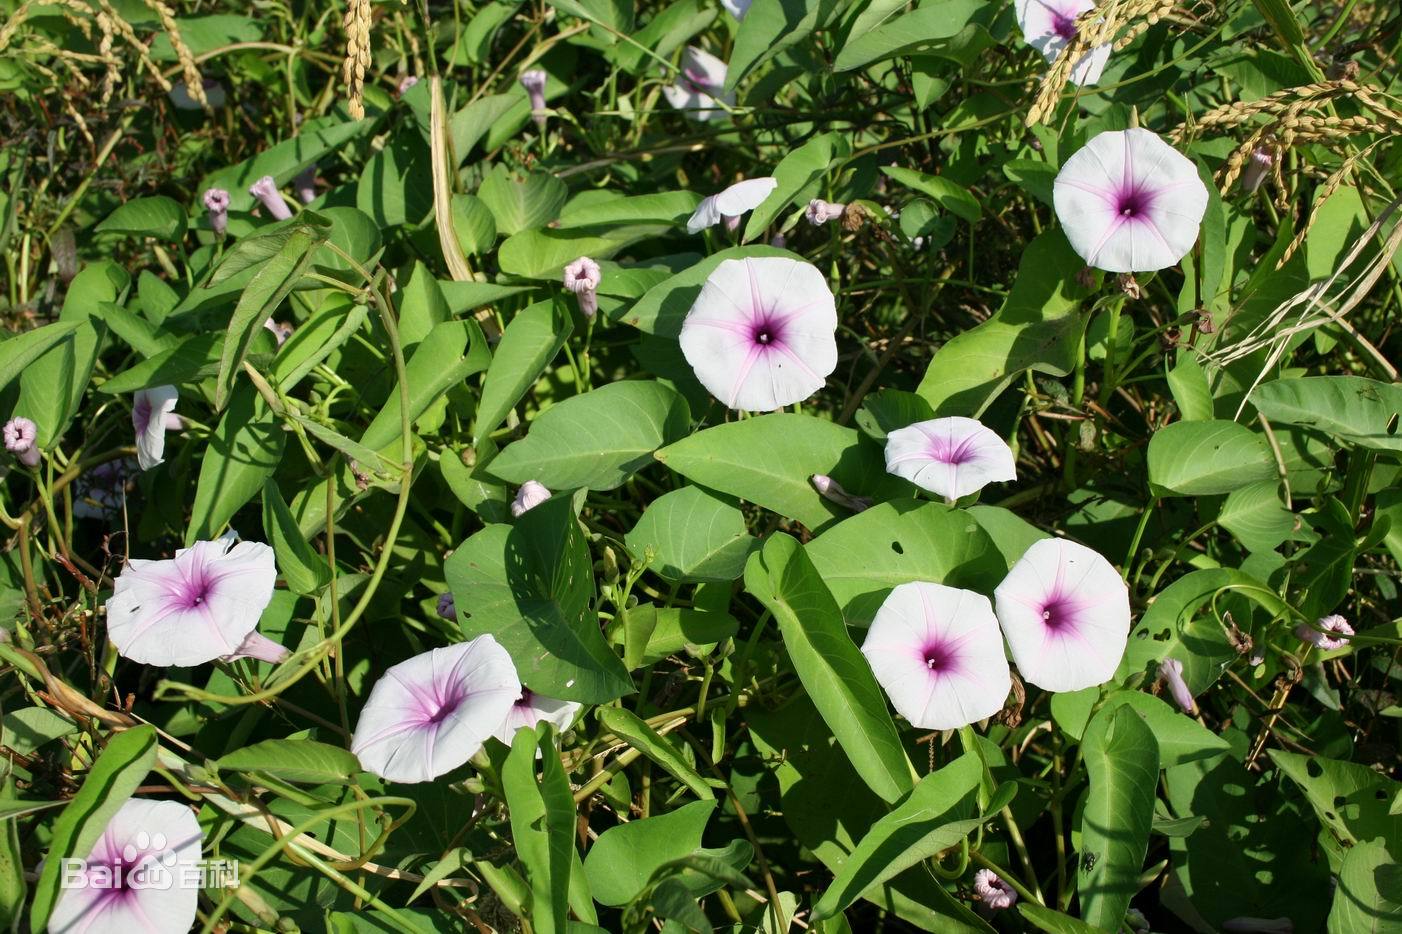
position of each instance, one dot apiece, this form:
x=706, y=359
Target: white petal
x=1082, y=591
x=737, y=8
x=399, y=738
x=705, y=215
x=154, y=404
x=970, y=679
x=951, y=457
x=1038, y=20
x=165, y=839
x=745, y=196
x=700, y=62
x=538, y=710
x=1091, y=66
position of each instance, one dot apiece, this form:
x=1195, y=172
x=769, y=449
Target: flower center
x=766, y=332
x=695, y=80
x=1064, y=26
x=1058, y=614
x=937, y=657
x=1132, y=203
x=954, y=452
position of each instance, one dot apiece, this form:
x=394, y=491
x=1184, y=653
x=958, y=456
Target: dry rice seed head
x=189, y=70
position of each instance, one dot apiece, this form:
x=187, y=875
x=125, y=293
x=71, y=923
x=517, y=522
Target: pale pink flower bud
x=407, y=82
x=1171, y=670
x=829, y=489
x=1318, y=635
x=534, y=83
x=993, y=891
x=1257, y=168
x=265, y=190
x=304, y=185
x=447, y=607
x=531, y=495
x=280, y=331
x=21, y=440
x=819, y=212
x=582, y=277
x=256, y=645
x=216, y=202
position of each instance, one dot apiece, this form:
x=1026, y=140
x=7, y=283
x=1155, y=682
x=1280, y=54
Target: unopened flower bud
x=447, y=608
x=407, y=82
x=993, y=891
x=1318, y=635
x=1171, y=670
x=819, y=212
x=582, y=277
x=531, y=495
x=829, y=489
x=534, y=83
x=1258, y=166
x=265, y=190
x=216, y=202
x=22, y=440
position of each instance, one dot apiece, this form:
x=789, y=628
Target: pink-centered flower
x=1319, y=636
x=202, y=604
x=534, y=83
x=937, y=653
x=22, y=440
x=1171, y=670
x=1129, y=202
x=152, y=415
x=993, y=891
x=428, y=715
x=1065, y=613
x=1050, y=25
x=761, y=334
x=266, y=191
x=531, y=709
x=699, y=86
x=131, y=880
x=405, y=83
x=531, y=495
x=216, y=202
x=730, y=204
x=582, y=277
x=952, y=456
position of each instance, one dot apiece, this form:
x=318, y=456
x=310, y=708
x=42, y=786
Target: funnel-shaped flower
x=216, y=202
x=22, y=440
x=993, y=891
x=730, y=203
x=430, y=714
x=193, y=608
x=1318, y=634
x=1257, y=168
x=698, y=87
x=531, y=495
x=1050, y=25
x=936, y=652
x=530, y=709
x=582, y=277
x=256, y=645
x=952, y=456
x=534, y=83
x=1171, y=670
x=135, y=876
x=265, y=190
x=761, y=333
x=152, y=415
x=1065, y=613
x=1130, y=202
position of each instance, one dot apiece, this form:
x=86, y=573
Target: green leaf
x=159, y=217
x=663, y=309
x=1122, y=763
x=543, y=254
x=1207, y=457
x=605, y=208
x=769, y=27
x=542, y=825
x=1351, y=800
x=264, y=292
x=522, y=203
x=28, y=728
x=242, y=454
x=531, y=340
x=1033, y=176
x=596, y=440
x=1054, y=922
x=1181, y=738
x=316, y=339
x=651, y=633
x=473, y=223
x=294, y=760
x=119, y=770
x=1369, y=895
x=530, y=585
x=862, y=558
x=798, y=174
x=191, y=360
x=692, y=535
x=1188, y=383
x=253, y=251
x=666, y=32
x=451, y=352
x=952, y=197
x=303, y=569
x=315, y=138
x=1256, y=515
x=736, y=458
x=624, y=859
x=13, y=887
x=937, y=814
x=1361, y=411
x=919, y=31
x=627, y=726
x=18, y=352
x=833, y=671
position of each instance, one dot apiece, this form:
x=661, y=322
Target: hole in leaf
x=1314, y=769
x=896, y=547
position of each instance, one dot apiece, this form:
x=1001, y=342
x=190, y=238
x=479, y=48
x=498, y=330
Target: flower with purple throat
x=531, y=495
x=699, y=85
x=22, y=440
x=582, y=277
x=152, y=415
x=951, y=457
x=534, y=83
x=936, y=652
x=1319, y=636
x=1171, y=670
x=216, y=202
x=202, y=604
x=993, y=891
x=428, y=715
x=819, y=212
x=1129, y=202
x=761, y=334
x=531, y=709
x=266, y=191
x=1064, y=610
x=304, y=185
x=130, y=879
x=1050, y=25
x=730, y=204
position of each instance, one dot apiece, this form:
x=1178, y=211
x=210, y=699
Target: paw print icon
x=151, y=861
